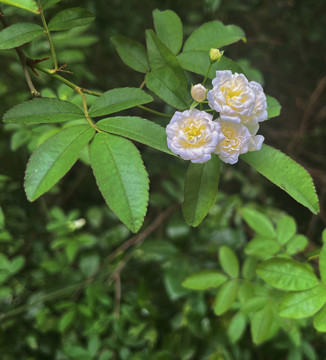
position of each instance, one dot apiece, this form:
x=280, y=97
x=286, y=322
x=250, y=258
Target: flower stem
x=209, y=69
x=154, y=111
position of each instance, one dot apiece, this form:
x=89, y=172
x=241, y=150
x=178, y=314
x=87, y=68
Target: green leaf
x=43, y=110
x=158, y=53
x=286, y=227
x=249, y=267
x=29, y=5
x=228, y=261
x=18, y=34
x=131, y=52
x=285, y=173
x=205, y=280
x=262, y=248
x=273, y=107
x=323, y=236
x=168, y=27
x=138, y=129
x=201, y=185
x=89, y=263
x=237, y=327
x=17, y=264
x=263, y=325
x=226, y=297
x=66, y=320
x=2, y=219
x=287, y=274
x=46, y=4
x=296, y=244
x=121, y=177
x=320, y=320
x=213, y=34
x=258, y=222
x=170, y=85
x=199, y=62
x=322, y=264
x=70, y=18
x=54, y=158
x=119, y=99
x=302, y=304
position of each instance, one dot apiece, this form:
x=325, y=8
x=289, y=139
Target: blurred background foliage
x=68, y=290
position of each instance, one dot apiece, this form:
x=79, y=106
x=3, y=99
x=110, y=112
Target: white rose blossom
x=238, y=140
x=198, y=92
x=236, y=99
x=193, y=135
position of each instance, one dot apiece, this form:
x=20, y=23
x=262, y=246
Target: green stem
x=209, y=68
x=47, y=33
x=154, y=111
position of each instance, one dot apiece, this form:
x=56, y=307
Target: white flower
x=238, y=140
x=193, y=135
x=198, y=92
x=236, y=99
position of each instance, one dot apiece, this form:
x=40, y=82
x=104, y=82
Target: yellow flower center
x=231, y=143
x=193, y=130
x=230, y=94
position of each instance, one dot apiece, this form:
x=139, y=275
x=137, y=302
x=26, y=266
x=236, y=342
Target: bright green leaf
x=205, y=280
x=168, y=27
x=322, y=264
x=43, y=110
x=228, y=261
x=29, y=5
x=285, y=173
x=19, y=34
x=199, y=62
x=213, y=34
x=273, y=107
x=138, y=129
x=320, y=320
x=66, y=320
x=263, y=325
x=287, y=274
x=262, y=248
x=131, y=52
x=323, y=236
x=249, y=267
x=258, y=222
x=70, y=18
x=170, y=85
x=253, y=304
x=286, y=227
x=201, y=185
x=121, y=177
x=296, y=244
x=237, y=327
x=118, y=99
x=226, y=297
x=158, y=53
x=302, y=304
x=51, y=161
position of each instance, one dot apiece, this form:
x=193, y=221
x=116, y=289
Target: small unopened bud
x=198, y=92
x=215, y=55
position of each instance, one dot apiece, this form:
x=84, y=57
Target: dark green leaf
x=70, y=18
x=168, y=27
x=18, y=34
x=43, y=110
x=285, y=229
x=2, y=219
x=228, y=261
x=285, y=173
x=46, y=4
x=121, y=177
x=198, y=62
x=159, y=54
x=213, y=35
x=201, y=185
x=138, y=129
x=170, y=85
x=205, y=280
x=29, y=5
x=132, y=53
x=258, y=222
x=320, y=320
x=226, y=297
x=273, y=107
x=322, y=264
x=237, y=327
x=118, y=99
x=263, y=325
x=51, y=161
x=302, y=304
x=287, y=274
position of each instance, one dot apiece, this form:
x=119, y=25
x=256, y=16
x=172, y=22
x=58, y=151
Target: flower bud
x=198, y=92
x=215, y=55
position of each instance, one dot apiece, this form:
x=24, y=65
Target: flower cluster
x=194, y=135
